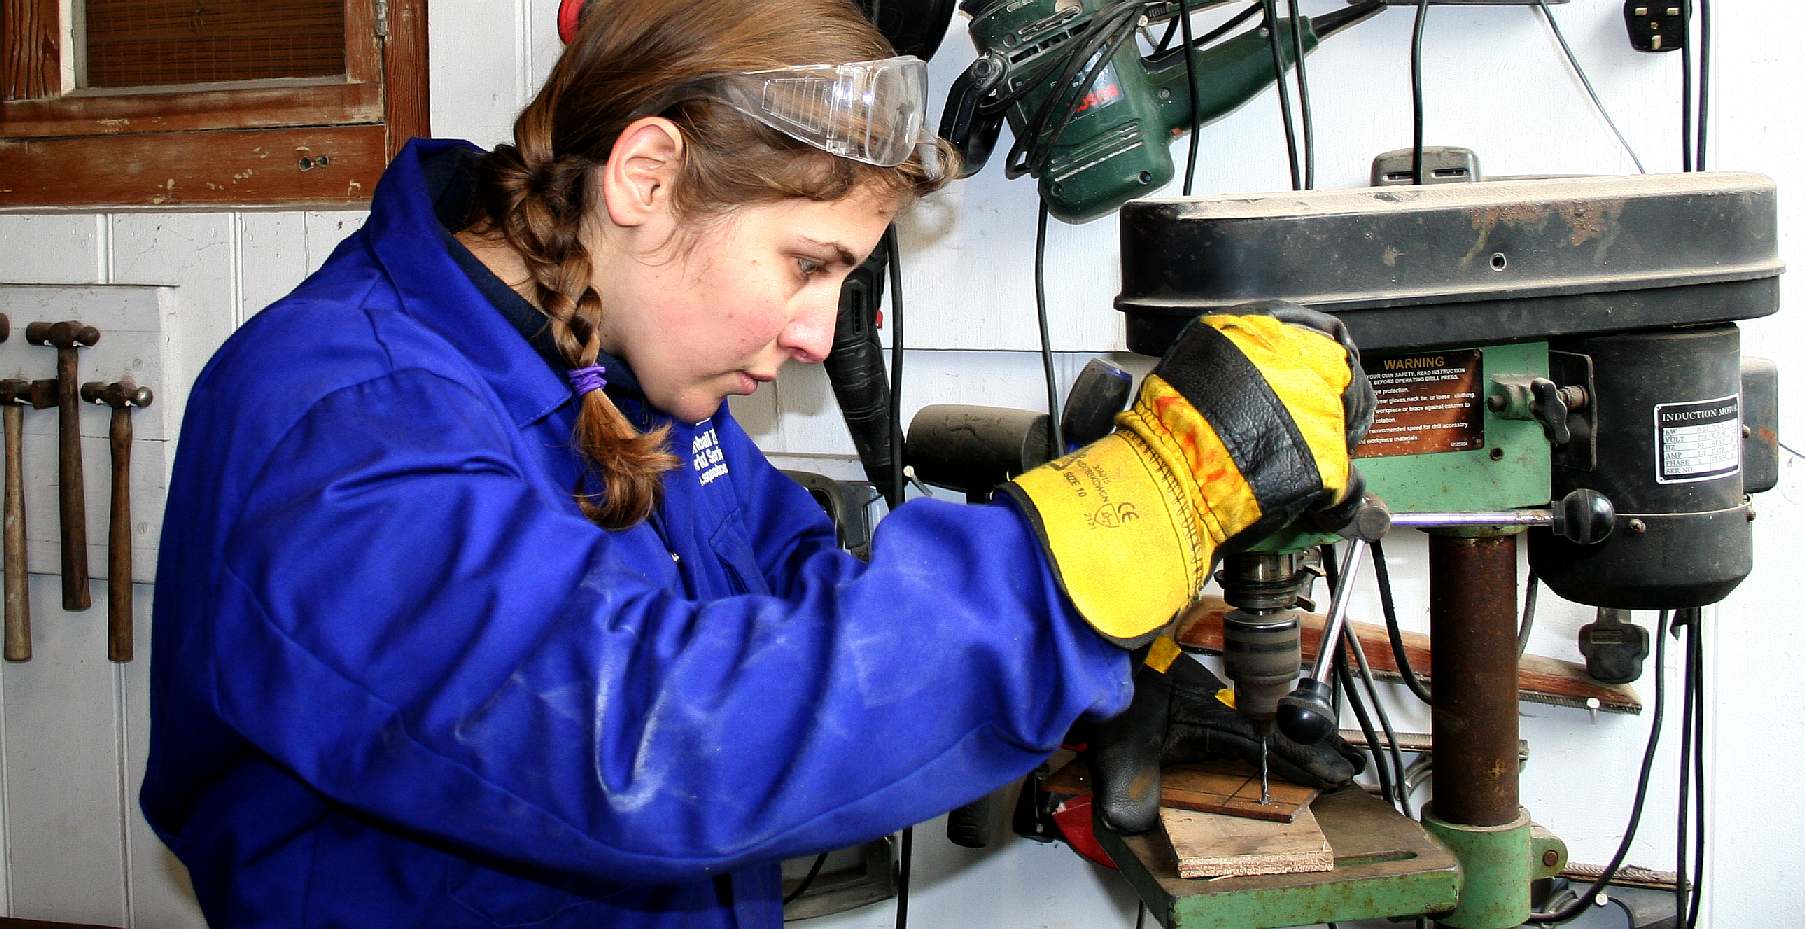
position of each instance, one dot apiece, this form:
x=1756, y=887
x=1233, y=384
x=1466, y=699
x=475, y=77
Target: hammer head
x=14, y=392
x=66, y=334
x=118, y=395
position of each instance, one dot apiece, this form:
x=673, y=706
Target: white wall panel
x=475, y=49
x=63, y=807
x=51, y=248
x=274, y=255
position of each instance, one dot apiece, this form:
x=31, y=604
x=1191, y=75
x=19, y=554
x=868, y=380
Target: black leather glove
x=1175, y=718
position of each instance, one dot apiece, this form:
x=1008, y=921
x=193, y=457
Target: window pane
x=134, y=43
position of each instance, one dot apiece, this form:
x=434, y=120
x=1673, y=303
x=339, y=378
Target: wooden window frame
x=300, y=141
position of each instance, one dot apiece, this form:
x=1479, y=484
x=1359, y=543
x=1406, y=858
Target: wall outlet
x=1657, y=26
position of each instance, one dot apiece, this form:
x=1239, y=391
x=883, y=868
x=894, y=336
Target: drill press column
x=1472, y=621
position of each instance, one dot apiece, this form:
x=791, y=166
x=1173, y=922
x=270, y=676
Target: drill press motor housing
x=1559, y=354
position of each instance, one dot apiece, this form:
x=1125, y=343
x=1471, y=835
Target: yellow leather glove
x=1246, y=424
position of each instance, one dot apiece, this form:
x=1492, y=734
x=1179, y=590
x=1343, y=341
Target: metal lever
x=1305, y=714
x=1584, y=517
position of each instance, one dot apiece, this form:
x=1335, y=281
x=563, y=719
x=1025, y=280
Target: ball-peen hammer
x=66, y=337
x=121, y=396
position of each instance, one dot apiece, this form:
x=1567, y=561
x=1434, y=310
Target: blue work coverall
x=399, y=680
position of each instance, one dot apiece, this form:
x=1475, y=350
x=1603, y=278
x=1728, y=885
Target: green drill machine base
x=1385, y=865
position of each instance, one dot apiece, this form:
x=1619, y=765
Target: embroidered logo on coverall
x=705, y=456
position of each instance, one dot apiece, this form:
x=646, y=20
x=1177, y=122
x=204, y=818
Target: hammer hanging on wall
x=67, y=337
x=121, y=396
x=13, y=397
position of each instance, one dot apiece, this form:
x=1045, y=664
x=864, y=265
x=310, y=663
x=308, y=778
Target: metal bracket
x=1570, y=370
x=382, y=18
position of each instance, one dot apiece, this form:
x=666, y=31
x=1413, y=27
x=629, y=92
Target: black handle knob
x=1305, y=716
x=1584, y=517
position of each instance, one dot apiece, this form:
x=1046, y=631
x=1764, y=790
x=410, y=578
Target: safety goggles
x=869, y=111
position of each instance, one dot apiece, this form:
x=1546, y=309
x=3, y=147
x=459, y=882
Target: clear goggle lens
x=869, y=111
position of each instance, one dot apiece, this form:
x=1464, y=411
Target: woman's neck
x=502, y=260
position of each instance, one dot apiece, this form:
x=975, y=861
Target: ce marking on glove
x=1112, y=516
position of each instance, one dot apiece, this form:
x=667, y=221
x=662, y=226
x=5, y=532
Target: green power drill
x=1092, y=117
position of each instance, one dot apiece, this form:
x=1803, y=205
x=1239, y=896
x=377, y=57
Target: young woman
x=475, y=606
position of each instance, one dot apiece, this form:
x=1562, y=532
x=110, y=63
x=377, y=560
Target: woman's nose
x=810, y=335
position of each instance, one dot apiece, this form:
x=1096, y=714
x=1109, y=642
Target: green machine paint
x=1115, y=145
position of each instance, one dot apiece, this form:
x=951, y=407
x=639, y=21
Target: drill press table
x=1384, y=865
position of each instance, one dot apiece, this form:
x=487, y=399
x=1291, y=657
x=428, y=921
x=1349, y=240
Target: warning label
x=1697, y=441
x=1428, y=403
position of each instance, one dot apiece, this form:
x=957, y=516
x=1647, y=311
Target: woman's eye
x=810, y=268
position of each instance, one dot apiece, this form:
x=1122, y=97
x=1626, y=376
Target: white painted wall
x=72, y=732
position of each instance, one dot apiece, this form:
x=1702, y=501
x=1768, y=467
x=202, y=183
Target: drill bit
x=1265, y=784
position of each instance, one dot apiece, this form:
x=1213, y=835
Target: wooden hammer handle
x=18, y=596
x=119, y=540
x=72, y=510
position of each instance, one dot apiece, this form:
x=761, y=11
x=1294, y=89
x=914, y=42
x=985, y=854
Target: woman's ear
x=636, y=180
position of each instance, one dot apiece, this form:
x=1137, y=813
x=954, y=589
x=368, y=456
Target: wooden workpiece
x=1228, y=787
x=1218, y=845
x=1539, y=679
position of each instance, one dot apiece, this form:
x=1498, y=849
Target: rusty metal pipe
x=67, y=337
x=1473, y=625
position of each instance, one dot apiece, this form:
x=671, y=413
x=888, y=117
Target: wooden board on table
x=1214, y=845
x=1539, y=679
x=1231, y=788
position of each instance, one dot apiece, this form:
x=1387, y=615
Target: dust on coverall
x=399, y=680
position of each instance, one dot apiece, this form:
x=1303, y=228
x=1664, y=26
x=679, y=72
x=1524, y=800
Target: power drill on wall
x=1092, y=117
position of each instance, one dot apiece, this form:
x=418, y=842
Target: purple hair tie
x=584, y=380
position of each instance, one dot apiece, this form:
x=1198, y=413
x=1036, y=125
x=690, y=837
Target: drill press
x=1556, y=357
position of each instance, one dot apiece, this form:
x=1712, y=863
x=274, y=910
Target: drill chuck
x=1261, y=655
x=1260, y=650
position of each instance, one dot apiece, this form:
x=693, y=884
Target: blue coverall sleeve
x=424, y=635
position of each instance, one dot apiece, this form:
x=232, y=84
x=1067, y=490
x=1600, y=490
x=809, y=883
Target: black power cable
x=1529, y=612
x=896, y=364
x=897, y=485
x=1344, y=680
x=1686, y=89
x=1381, y=764
x=1696, y=681
x=1055, y=435
x=1358, y=653
x=1382, y=576
x=1184, y=19
x=1303, y=97
x=1587, y=900
x=1681, y=850
x=807, y=879
x=1704, y=79
x=1592, y=92
x=1391, y=735
x=1278, y=76
x=1416, y=92
x=902, y=878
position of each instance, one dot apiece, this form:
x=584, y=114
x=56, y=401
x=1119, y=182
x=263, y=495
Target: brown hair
x=627, y=57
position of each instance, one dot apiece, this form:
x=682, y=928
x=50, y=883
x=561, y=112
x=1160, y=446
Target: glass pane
x=135, y=43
